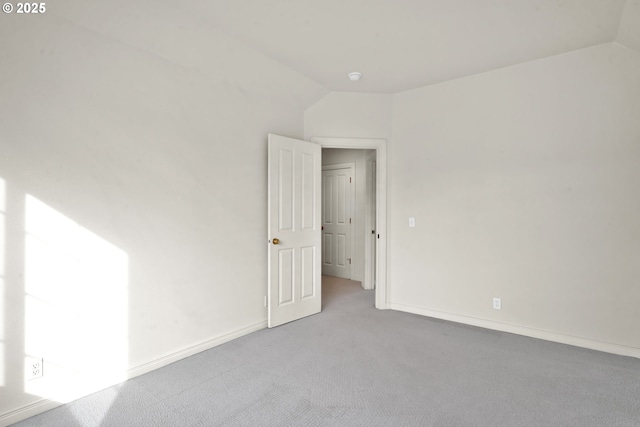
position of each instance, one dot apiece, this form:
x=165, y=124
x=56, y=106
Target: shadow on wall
x=63, y=305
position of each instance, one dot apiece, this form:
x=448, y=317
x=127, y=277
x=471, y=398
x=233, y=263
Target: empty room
x=320, y=213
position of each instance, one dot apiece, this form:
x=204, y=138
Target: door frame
x=352, y=207
x=370, y=240
x=380, y=145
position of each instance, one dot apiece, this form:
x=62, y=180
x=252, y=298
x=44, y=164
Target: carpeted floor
x=353, y=365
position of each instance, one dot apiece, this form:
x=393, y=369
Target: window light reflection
x=76, y=306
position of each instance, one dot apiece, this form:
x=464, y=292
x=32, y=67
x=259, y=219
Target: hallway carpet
x=353, y=365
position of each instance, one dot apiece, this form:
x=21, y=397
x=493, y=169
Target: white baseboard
x=27, y=411
x=521, y=330
x=167, y=359
x=43, y=405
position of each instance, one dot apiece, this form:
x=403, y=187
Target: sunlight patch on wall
x=3, y=208
x=76, y=306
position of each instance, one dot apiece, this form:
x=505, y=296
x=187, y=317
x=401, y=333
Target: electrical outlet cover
x=34, y=368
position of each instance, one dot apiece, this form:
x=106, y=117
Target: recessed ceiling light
x=355, y=76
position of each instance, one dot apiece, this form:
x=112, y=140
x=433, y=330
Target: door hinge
x=349, y=259
x=349, y=180
x=349, y=220
x=373, y=231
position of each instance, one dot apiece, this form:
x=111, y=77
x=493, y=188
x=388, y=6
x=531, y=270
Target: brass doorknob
x=275, y=241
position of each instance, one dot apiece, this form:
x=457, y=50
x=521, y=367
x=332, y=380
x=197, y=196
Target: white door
x=294, y=202
x=337, y=221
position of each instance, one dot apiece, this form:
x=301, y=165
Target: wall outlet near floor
x=34, y=367
x=497, y=304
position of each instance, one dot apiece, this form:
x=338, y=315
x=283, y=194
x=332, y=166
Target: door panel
x=341, y=259
x=308, y=272
x=286, y=276
x=327, y=248
x=341, y=202
x=294, y=215
x=327, y=198
x=309, y=204
x=285, y=190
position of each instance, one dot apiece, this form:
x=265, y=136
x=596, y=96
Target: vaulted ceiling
x=403, y=44
x=396, y=44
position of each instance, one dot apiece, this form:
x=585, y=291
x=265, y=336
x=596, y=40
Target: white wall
x=332, y=156
x=148, y=135
x=524, y=184
x=349, y=115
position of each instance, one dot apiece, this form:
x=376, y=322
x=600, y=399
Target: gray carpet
x=353, y=365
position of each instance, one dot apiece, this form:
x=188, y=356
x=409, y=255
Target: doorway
x=293, y=218
x=374, y=247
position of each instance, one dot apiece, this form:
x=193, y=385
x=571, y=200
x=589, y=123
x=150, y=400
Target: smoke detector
x=355, y=76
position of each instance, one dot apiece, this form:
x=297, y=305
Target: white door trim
x=339, y=165
x=352, y=209
x=369, y=238
x=380, y=145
